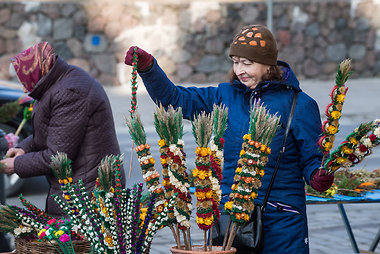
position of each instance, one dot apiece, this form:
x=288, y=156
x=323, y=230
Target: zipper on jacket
x=253, y=96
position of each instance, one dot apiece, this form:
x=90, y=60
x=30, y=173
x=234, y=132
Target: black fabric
x=249, y=238
x=4, y=246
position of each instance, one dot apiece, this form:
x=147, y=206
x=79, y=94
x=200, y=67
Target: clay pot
x=197, y=249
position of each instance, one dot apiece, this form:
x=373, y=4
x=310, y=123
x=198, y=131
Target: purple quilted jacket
x=72, y=114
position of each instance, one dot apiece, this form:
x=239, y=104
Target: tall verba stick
x=217, y=145
x=334, y=109
x=169, y=126
x=133, y=97
x=147, y=162
x=250, y=170
x=202, y=131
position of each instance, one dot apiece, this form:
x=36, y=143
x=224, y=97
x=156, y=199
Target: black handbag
x=250, y=237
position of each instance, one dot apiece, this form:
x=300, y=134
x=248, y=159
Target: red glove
x=145, y=60
x=321, y=180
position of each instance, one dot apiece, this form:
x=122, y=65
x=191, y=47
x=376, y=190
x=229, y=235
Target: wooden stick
x=178, y=236
x=23, y=122
x=226, y=235
x=175, y=236
x=210, y=239
x=205, y=240
x=130, y=169
x=189, y=238
x=185, y=240
x=232, y=236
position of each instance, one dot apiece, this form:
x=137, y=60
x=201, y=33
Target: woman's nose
x=239, y=69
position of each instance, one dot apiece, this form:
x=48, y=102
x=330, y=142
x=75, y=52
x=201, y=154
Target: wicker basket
x=34, y=247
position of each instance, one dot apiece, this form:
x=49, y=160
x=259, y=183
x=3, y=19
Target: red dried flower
x=362, y=148
x=372, y=137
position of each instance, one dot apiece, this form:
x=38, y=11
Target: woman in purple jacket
x=71, y=114
x=256, y=73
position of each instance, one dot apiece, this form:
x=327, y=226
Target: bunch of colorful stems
x=22, y=222
x=58, y=231
x=160, y=221
x=334, y=110
x=111, y=221
x=169, y=127
x=355, y=147
x=80, y=209
x=250, y=170
x=202, y=131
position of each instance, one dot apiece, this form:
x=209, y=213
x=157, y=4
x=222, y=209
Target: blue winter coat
x=302, y=155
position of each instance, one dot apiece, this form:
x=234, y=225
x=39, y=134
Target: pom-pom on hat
x=256, y=43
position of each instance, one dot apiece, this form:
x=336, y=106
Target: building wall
x=190, y=39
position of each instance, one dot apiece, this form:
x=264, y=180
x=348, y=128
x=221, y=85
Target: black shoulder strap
x=282, y=150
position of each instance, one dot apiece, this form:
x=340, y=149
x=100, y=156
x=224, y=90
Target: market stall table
x=369, y=197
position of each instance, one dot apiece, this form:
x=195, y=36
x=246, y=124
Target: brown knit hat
x=256, y=43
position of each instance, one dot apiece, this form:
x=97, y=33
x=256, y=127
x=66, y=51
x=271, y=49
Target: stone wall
x=190, y=39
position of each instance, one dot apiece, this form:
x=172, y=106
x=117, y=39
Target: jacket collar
x=47, y=81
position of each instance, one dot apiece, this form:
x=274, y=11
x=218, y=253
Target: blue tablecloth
x=371, y=196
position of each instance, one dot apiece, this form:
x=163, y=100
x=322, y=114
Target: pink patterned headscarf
x=33, y=63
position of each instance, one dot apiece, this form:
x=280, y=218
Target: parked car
x=10, y=91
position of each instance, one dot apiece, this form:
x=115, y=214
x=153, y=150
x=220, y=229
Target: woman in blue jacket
x=256, y=73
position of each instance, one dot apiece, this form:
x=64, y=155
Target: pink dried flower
x=64, y=238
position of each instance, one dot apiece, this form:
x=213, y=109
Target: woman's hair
x=274, y=74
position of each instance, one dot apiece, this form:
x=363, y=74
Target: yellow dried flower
x=228, y=205
x=353, y=141
x=161, y=143
x=335, y=114
x=328, y=146
x=59, y=233
x=346, y=150
x=205, y=151
x=332, y=129
x=340, y=98
x=208, y=221
x=340, y=160
x=108, y=240
x=253, y=195
x=247, y=137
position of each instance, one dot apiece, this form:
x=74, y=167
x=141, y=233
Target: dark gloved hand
x=321, y=180
x=145, y=60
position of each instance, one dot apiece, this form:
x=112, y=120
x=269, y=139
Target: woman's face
x=249, y=73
